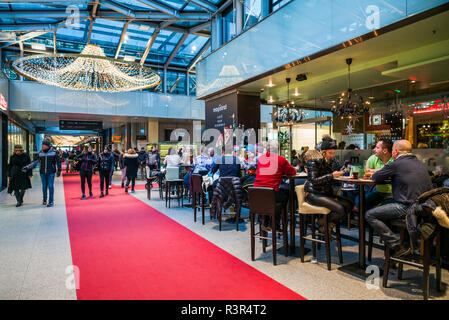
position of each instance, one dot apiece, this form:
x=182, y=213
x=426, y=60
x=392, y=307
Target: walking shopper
x=50, y=164
x=105, y=167
x=19, y=181
x=88, y=161
x=122, y=166
x=131, y=163
x=142, y=157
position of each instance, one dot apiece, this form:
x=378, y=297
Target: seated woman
x=319, y=185
x=172, y=159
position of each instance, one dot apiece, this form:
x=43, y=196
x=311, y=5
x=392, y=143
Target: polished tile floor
x=35, y=254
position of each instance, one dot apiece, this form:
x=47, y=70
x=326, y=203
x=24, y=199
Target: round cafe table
x=360, y=266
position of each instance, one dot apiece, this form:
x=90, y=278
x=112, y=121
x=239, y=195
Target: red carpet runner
x=125, y=249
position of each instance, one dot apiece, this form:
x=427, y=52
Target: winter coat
x=121, y=161
x=320, y=179
x=88, y=162
x=49, y=162
x=227, y=191
x=106, y=162
x=142, y=156
x=131, y=163
x=19, y=179
x=429, y=210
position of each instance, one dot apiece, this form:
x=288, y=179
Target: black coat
x=227, y=191
x=106, y=162
x=88, y=162
x=319, y=177
x=131, y=163
x=19, y=179
x=49, y=162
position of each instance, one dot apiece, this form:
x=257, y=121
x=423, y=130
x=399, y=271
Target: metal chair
x=197, y=202
x=172, y=180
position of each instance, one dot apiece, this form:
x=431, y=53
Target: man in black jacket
x=50, y=164
x=409, y=179
x=105, y=167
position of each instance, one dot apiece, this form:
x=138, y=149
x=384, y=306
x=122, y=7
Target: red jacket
x=270, y=169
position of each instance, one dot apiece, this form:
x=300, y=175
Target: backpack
x=152, y=159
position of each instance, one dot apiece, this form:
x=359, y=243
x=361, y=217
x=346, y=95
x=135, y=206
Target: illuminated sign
x=3, y=103
x=428, y=107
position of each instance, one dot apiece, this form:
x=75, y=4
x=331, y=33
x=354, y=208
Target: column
x=238, y=7
x=153, y=131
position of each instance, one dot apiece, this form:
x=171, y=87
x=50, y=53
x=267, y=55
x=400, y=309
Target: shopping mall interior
x=151, y=80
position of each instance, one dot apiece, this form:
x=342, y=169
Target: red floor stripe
x=125, y=249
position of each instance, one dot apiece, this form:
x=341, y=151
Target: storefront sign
x=116, y=139
x=141, y=137
x=3, y=103
x=221, y=113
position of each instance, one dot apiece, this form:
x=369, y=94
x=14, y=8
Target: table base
x=354, y=269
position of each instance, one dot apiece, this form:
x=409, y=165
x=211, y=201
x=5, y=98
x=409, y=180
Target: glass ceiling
x=176, y=16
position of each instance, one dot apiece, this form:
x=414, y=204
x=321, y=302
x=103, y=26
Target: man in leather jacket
x=320, y=182
x=50, y=164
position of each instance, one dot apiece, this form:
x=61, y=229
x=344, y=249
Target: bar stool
x=262, y=201
x=305, y=208
x=172, y=180
x=425, y=258
x=238, y=209
x=197, y=202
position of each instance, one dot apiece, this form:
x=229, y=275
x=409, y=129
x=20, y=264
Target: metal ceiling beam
x=47, y=14
x=197, y=57
x=175, y=50
x=161, y=7
x=104, y=14
x=89, y=34
x=200, y=27
x=122, y=37
x=117, y=7
x=205, y=4
x=223, y=7
x=95, y=8
x=54, y=41
x=149, y=45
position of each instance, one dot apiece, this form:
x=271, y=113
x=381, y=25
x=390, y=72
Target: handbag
x=207, y=182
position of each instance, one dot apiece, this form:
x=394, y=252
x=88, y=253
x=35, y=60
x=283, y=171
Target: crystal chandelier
x=345, y=107
x=91, y=71
x=288, y=114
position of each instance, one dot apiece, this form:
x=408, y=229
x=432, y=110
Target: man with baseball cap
x=50, y=164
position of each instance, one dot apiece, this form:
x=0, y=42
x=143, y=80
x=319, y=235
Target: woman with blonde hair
x=131, y=164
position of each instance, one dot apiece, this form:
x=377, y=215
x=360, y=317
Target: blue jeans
x=48, y=181
x=379, y=217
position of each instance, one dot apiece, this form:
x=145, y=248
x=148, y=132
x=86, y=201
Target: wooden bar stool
x=262, y=201
x=172, y=182
x=425, y=258
x=313, y=211
x=197, y=195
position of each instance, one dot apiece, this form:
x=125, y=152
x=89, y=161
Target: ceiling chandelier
x=288, y=113
x=91, y=71
x=345, y=107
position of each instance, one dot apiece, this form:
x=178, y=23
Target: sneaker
x=18, y=204
x=132, y=191
x=101, y=195
x=83, y=197
x=107, y=192
x=50, y=204
x=44, y=203
x=123, y=185
x=401, y=251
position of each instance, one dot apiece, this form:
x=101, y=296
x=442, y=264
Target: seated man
x=380, y=158
x=270, y=169
x=409, y=179
x=228, y=164
x=441, y=175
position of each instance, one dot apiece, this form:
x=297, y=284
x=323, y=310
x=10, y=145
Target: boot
x=101, y=195
x=123, y=185
x=90, y=194
x=83, y=197
x=126, y=189
x=107, y=191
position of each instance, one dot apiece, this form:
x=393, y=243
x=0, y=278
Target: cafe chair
x=198, y=198
x=172, y=184
x=262, y=201
x=311, y=211
x=424, y=260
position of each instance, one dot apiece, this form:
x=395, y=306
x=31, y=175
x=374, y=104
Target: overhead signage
x=80, y=125
x=141, y=137
x=3, y=103
x=116, y=139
